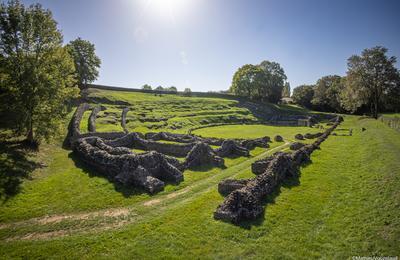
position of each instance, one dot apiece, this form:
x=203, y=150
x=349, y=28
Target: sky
x=201, y=43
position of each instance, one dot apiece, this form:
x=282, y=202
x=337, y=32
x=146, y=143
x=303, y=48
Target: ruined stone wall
x=133, y=140
x=123, y=119
x=74, y=125
x=92, y=119
x=246, y=202
x=148, y=171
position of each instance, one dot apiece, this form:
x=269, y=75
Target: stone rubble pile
x=246, y=201
x=148, y=171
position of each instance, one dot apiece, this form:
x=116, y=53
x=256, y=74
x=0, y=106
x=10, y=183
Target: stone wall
x=148, y=171
x=123, y=119
x=74, y=125
x=92, y=118
x=246, y=202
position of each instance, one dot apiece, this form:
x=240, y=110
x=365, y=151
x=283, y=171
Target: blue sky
x=201, y=43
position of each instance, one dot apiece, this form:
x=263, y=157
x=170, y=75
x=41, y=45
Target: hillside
x=345, y=202
x=170, y=112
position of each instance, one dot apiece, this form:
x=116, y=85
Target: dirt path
x=55, y=226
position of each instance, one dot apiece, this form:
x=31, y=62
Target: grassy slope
x=149, y=112
x=346, y=203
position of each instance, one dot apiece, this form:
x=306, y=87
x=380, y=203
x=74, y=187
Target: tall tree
x=87, y=63
x=146, y=87
x=173, y=89
x=303, y=95
x=369, y=77
x=327, y=93
x=276, y=78
x=187, y=92
x=37, y=72
x=286, y=90
x=243, y=80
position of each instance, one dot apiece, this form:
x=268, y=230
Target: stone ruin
x=148, y=171
x=187, y=138
x=123, y=119
x=230, y=147
x=110, y=153
x=296, y=146
x=246, y=202
x=312, y=136
x=299, y=137
x=93, y=116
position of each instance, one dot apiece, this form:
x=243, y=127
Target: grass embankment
x=345, y=203
x=150, y=112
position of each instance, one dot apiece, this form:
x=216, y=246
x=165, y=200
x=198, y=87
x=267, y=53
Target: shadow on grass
x=270, y=199
x=15, y=166
x=125, y=190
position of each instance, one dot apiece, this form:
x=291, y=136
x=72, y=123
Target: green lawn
x=346, y=203
x=174, y=113
x=253, y=131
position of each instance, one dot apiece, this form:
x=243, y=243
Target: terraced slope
x=174, y=113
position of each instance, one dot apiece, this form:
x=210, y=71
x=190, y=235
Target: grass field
x=346, y=202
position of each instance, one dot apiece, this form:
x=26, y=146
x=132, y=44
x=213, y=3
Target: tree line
x=39, y=76
x=371, y=85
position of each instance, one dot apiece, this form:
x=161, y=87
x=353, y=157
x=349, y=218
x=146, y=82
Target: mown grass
x=66, y=185
x=346, y=203
x=174, y=113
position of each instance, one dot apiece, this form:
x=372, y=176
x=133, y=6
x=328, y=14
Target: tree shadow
x=15, y=166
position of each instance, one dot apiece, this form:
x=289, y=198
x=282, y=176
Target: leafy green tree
x=303, y=95
x=146, y=87
x=369, y=78
x=286, y=90
x=242, y=82
x=159, y=88
x=36, y=71
x=173, y=89
x=327, y=93
x=260, y=82
x=187, y=92
x=276, y=78
x=87, y=63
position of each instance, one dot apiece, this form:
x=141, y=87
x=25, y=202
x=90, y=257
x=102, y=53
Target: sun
x=170, y=8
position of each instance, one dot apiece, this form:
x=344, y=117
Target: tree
x=37, y=72
x=159, y=88
x=286, y=90
x=187, y=92
x=303, y=95
x=327, y=93
x=276, y=78
x=173, y=89
x=243, y=79
x=86, y=62
x=146, y=87
x=369, y=77
x=260, y=82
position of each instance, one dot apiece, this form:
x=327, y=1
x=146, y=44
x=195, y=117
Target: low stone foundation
x=246, y=202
